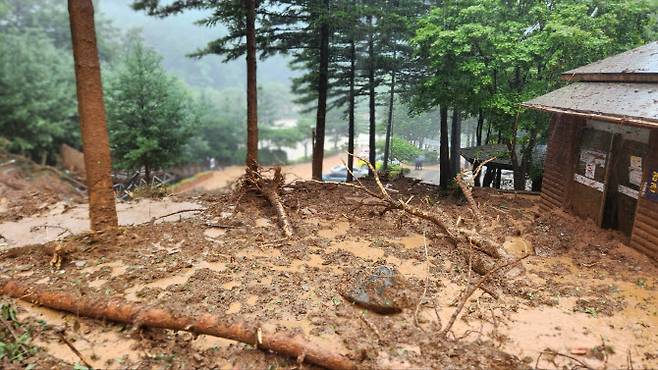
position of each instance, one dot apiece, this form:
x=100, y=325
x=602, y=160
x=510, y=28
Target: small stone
x=80, y=264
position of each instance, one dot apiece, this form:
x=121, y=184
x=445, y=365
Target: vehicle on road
x=339, y=173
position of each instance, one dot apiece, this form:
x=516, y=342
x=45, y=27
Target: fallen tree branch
x=175, y=213
x=469, y=292
x=134, y=314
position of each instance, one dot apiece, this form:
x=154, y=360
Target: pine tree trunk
x=350, y=127
x=371, y=94
x=479, y=128
x=323, y=85
x=96, y=143
x=252, y=88
x=455, y=142
x=147, y=174
x=389, y=124
x=444, y=151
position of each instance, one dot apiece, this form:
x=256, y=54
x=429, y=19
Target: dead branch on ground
x=372, y=327
x=118, y=310
x=553, y=353
x=74, y=350
x=469, y=292
x=175, y=213
x=47, y=226
x=270, y=188
x=427, y=283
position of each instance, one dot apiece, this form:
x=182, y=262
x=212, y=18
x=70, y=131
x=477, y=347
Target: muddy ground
x=27, y=188
x=582, y=293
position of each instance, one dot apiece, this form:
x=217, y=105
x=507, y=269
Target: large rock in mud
x=382, y=290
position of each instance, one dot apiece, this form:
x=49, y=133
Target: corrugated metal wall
x=645, y=229
x=563, y=136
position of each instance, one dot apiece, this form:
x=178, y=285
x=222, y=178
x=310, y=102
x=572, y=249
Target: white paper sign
x=590, y=170
x=636, y=162
x=628, y=191
x=635, y=177
x=588, y=182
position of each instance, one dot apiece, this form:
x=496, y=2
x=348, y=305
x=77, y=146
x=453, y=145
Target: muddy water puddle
x=413, y=241
x=103, y=346
x=180, y=278
x=565, y=328
x=76, y=219
x=360, y=249
x=518, y=247
x=331, y=231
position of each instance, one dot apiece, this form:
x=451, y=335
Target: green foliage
x=37, y=95
x=404, y=150
x=148, y=112
x=38, y=108
x=15, y=344
x=493, y=55
x=218, y=131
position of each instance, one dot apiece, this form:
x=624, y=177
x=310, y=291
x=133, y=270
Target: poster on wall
x=651, y=192
x=590, y=170
x=635, y=171
x=591, y=159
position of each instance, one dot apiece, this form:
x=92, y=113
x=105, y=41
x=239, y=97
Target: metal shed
x=602, y=156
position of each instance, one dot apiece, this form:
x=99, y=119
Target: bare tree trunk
x=371, y=94
x=96, y=143
x=323, y=85
x=455, y=142
x=519, y=173
x=389, y=124
x=444, y=151
x=350, y=125
x=252, y=88
x=147, y=174
x=480, y=126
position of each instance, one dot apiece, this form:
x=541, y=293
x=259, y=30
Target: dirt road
x=222, y=178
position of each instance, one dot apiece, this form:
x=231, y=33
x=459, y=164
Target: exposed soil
x=27, y=188
x=584, y=294
x=221, y=178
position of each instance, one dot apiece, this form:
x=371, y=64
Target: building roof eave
x=619, y=119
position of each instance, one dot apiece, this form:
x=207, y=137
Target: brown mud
x=581, y=291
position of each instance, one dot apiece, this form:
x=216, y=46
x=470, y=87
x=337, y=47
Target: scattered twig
x=556, y=354
x=11, y=330
x=175, y=213
x=74, y=350
x=371, y=326
x=475, y=287
x=629, y=359
x=220, y=226
x=46, y=226
x=427, y=283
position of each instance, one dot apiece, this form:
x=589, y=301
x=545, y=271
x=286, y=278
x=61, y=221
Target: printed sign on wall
x=635, y=171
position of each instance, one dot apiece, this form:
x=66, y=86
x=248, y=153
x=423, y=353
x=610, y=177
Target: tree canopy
x=148, y=112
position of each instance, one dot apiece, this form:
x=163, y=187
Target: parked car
x=391, y=161
x=339, y=173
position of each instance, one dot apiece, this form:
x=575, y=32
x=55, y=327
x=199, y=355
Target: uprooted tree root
x=144, y=316
x=269, y=187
